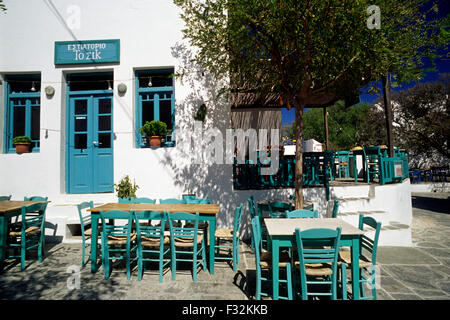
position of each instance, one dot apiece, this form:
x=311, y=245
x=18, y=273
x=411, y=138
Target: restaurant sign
x=89, y=51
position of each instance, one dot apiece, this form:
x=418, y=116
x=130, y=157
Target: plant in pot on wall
x=126, y=190
x=154, y=131
x=22, y=144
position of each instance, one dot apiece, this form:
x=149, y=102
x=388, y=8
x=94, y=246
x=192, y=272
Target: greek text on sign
x=89, y=51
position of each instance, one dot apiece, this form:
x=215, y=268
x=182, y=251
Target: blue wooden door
x=90, y=144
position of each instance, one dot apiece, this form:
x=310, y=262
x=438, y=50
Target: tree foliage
x=310, y=53
x=344, y=125
x=422, y=118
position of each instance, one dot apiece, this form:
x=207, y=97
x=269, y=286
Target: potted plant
x=154, y=130
x=126, y=190
x=22, y=144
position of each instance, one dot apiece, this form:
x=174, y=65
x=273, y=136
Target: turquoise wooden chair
x=29, y=233
x=277, y=209
x=172, y=201
x=367, y=260
x=118, y=243
x=5, y=198
x=334, y=214
x=152, y=245
x=302, y=214
x=198, y=200
x=317, y=254
x=186, y=241
x=86, y=231
x=254, y=212
x=35, y=198
x=142, y=200
x=263, y=260
x=230, y=235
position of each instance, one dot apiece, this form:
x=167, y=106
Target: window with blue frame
x=23, y=109
x=155, y=100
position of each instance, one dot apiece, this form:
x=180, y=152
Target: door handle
x=95, y=143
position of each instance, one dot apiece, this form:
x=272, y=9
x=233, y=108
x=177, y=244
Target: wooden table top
x=286, y=227
x=9, y=205
x=212, y=209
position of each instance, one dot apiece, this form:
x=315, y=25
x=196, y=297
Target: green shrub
x=21, y=139
x=154, y=128
x=126, y=189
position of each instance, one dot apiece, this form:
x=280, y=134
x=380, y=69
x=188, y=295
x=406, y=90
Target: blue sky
x=442, y=67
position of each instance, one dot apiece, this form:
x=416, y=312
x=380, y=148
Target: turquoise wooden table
x=208, y=213
x=282, y=234
x=9, y=209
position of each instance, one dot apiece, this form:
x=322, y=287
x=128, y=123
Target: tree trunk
x=325, y=122
x=388, y=115
x=299, y=157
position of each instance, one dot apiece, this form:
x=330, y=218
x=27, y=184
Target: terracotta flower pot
x=155, y=141
x=22, y=147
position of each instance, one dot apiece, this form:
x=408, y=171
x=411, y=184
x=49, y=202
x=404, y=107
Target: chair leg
x=258, y=284
x=194, y=265
x=344, y=281
x=289, y=281
x=23, y=253
x=173, y=263
x=83, y=251
x=140, y=265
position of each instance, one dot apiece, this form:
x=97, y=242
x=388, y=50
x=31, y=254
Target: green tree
x=344, y=124
x=310, y=53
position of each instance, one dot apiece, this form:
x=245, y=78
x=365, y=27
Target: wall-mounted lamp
x=109, y=85
x=122, y=88
x=49, y=91
x=33, y=88
x=150, y=82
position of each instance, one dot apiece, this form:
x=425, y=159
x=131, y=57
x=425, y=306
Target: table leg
x=355, y=268
x=275, y=268
x=94, y=239
x=212, y=240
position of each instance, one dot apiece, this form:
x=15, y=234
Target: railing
x=316, y=171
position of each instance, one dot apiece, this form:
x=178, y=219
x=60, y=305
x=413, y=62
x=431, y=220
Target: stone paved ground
x=418, y=272
x=423, y=270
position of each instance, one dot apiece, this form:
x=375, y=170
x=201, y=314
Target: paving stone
x=404, y=255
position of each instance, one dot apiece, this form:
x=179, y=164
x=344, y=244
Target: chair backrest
x=4, y=198
x=368, y=245
x=322, y=246
x=300, y=213
x=277, y=209
x=35, y=220
x=197, y=200
x=35, y=198
x=150, y=231
x=252, y=207
x=85, y=219
x=183, y=232
x=257, y=239
x=335, y=209
x=117, y=230
x=142, y=200
x=171, y=201
x=237, y=222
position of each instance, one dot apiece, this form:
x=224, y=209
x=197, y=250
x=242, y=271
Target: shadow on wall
x=205, y=178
